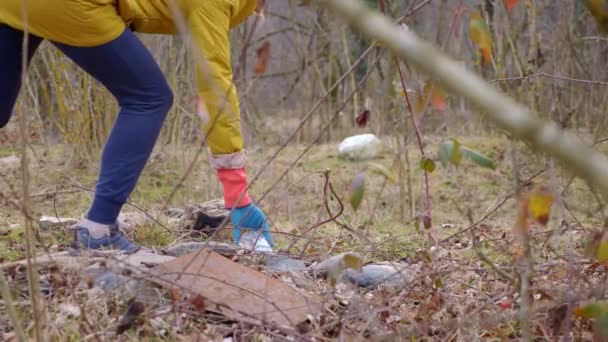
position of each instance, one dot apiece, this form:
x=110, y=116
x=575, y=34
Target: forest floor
x=471, y=299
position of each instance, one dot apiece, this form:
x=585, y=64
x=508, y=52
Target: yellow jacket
x=94, y=22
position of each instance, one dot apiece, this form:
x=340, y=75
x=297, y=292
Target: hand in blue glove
x=250, y=217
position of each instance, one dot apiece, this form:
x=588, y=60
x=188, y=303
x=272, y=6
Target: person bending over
x=98, y=36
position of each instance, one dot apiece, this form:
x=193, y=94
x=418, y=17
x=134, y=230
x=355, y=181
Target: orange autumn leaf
x=174, y=294
x=480, y=36
x=590, y=310
x=262, y=54
x=420, y=100
x=486, y=54
x=438, y=98
x=578, y=312
x=511, y=4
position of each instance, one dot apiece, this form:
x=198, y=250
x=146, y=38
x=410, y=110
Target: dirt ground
x=469, y=300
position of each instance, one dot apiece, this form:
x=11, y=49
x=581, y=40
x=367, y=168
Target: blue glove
x=250, y=217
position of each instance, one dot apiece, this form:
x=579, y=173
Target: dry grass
x=464, y=308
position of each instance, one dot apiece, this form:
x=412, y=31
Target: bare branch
x=501, y=109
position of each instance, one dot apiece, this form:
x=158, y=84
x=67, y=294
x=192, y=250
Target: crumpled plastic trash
x=254, y=240
x=359, y=147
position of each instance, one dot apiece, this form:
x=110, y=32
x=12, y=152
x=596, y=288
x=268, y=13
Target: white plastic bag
x=360, y=147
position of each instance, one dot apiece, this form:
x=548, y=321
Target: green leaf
x=349, y=260
x=456, y=153
x=478, y=158
x=383, y=171
x=438, y=284
x=602, y=324
x=449, y=152
x=445, y=151
x=427, y=164
x=591, y=310
x=353, y=261
x=602, y=251
x=357, y=188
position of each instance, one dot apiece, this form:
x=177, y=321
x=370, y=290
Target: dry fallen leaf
x=134, y=310
x=263, y=53
x=599, y=11
x=174, y=294
x=198, y=302
x=426, y=221
x=362, y=118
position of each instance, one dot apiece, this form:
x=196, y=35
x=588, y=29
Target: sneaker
x=116, y=240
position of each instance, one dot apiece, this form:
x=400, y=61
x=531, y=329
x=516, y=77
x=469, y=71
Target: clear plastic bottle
x=255, y=241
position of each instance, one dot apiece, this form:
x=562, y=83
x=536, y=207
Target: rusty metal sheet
x=235, y=290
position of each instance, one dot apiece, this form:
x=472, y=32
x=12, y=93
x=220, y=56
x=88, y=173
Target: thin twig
x=427, y=194
x=32, y=272
x=480, y=254
x=492, y=211
x=10, y=308
x=545, y=75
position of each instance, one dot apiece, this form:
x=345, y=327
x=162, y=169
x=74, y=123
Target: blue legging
x=126, y=68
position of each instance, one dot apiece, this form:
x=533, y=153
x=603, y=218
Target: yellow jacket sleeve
x=218, y=102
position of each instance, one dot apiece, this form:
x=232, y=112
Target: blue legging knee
x=126, y=68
